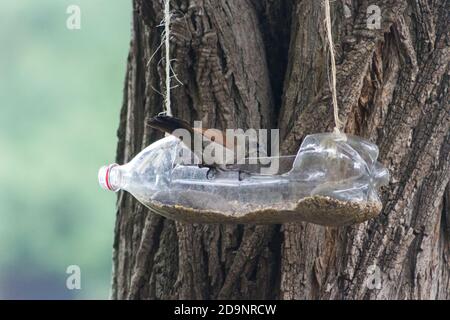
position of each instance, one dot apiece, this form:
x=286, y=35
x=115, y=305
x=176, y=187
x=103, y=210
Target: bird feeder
x=333, y=181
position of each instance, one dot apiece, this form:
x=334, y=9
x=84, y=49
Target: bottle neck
x=111, y=177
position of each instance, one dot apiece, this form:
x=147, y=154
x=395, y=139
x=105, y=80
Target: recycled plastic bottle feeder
x=333, y=180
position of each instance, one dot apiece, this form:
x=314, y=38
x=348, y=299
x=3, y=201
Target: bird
x=216, y=150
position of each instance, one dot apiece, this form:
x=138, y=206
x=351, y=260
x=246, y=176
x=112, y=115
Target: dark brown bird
x=210, y=137
x=246, y=161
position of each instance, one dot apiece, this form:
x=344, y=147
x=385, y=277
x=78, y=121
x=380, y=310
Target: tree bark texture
x=264, y=64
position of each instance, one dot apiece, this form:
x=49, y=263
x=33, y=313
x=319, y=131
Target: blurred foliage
x=60, y=97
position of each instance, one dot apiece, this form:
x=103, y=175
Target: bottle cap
x=104, y=177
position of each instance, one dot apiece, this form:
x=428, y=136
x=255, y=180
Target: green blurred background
x=60, y=97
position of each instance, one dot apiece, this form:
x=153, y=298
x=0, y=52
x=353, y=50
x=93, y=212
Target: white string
x=337, y=122
x=167, y=17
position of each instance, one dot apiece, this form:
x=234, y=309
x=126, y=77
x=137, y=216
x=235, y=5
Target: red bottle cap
x=104, y=175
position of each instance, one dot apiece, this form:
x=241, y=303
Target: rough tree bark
x=263, y=64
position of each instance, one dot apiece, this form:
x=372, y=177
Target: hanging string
x=337, y=122
x=167, y=17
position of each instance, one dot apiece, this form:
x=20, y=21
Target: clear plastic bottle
x=333, y=180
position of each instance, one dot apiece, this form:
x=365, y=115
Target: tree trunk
x=263, y=64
